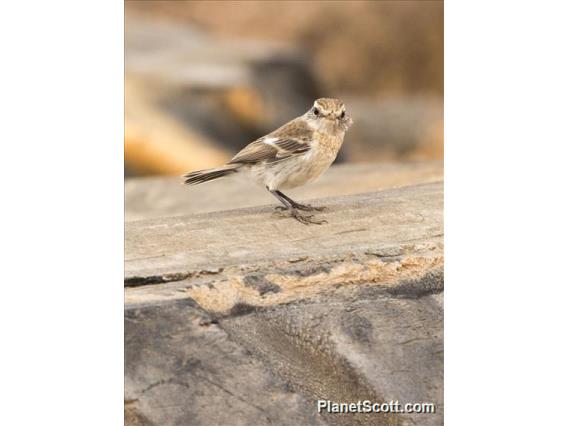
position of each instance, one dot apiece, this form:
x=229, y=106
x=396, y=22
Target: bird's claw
x=309, y=207
x=306, y=219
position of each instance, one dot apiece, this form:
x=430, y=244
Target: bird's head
x=329, y=115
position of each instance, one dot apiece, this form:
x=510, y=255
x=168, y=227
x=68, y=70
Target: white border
x=61, y=133
x=506, y=212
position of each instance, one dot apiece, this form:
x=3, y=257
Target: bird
x=293, y=155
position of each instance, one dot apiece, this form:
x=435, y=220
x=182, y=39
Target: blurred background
x=203, y=79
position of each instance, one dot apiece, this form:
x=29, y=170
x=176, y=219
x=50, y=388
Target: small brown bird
x=293, y=155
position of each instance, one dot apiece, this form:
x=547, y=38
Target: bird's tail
x=200, y=176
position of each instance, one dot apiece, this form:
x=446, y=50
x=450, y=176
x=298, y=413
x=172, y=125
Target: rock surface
x=248, y=317
x=155, y=197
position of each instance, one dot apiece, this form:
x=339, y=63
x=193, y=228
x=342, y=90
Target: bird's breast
x=302, y=169
x=327, y=146
x=316, y=161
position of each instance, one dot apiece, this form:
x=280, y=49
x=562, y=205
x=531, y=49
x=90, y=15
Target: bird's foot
x=308, y=207
x=305, y=219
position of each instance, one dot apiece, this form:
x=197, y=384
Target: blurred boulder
x=401, y=128
x=200, y=85
x=221, y=94
x=364, y=48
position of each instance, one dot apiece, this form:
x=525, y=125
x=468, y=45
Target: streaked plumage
x=293, y=155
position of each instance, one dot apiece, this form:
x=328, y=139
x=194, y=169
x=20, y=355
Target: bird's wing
x=288, y=141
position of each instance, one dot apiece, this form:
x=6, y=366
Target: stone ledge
x=155, y=197
x=179, y=247
x=246, y=317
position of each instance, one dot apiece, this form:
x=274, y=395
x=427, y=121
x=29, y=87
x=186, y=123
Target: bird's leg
x=283, y=200
x=296, y=205
x=306, y=220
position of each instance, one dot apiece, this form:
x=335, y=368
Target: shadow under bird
x=293, y=155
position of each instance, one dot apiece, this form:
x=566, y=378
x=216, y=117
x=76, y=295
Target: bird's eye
x=316, y=111
x=342, y=114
